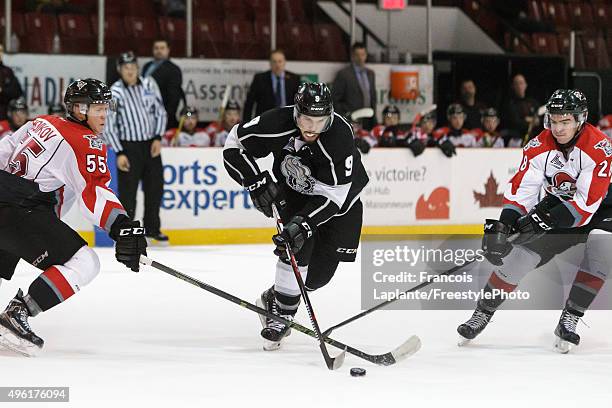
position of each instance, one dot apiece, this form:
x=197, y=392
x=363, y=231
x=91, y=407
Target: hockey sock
x=494, y=288
x=583, y=292
x=286, y=287
x=50, y=288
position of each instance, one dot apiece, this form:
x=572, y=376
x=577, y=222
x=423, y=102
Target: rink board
x=406, y=195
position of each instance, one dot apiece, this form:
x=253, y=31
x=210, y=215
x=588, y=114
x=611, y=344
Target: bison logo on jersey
x=94, y=142
x=297, y=175
x=605, y=146
x=562, y=185
x=535, y=142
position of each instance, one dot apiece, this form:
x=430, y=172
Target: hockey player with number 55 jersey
x=46, y=166
x=320, y=177
x=571, y=160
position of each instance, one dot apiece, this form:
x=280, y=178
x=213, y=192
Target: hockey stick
x=418, y=116
x=541, y=110
x=401, y=352
x=395, y=299
x=174, y=141
x=332, y=362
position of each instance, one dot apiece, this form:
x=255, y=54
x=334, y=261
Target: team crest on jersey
x=605, y=146
x=535, y=142
x=297, y=175
x=562, y=185
x=94, y=142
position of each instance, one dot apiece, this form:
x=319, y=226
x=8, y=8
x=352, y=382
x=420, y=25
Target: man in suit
x=355, y=85
x=169, y=79
x=271, y=89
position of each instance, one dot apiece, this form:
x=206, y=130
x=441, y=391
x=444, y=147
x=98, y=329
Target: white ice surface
x=151, y=340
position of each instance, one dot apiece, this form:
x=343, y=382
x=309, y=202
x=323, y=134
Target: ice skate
x=474, y=326
x=15, y=331
x=273, y=332
x=565, y=331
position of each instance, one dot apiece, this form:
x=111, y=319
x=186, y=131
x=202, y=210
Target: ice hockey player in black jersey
x=319, y=178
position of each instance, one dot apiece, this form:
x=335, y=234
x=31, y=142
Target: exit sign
x=392, y=4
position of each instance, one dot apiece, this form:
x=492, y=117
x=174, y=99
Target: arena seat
x=174, y=30
x=141, y=32
x=545, y=43
x=330, y=45
x=114, y=34
x=581, y=14
x=209, y=39
x=236, y=10
x=301, y=38
x=241, y=37
x=76, y=34
x=40, y=29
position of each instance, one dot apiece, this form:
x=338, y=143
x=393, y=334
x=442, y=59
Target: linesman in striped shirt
x=134, y=132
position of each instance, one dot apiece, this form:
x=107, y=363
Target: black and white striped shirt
x=140, y=114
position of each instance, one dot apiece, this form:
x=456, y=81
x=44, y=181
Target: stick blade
x=408, y=348
x=335, y=362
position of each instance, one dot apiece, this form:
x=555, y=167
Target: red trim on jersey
x=59, y=281
x=599, y=185
x=584, y=215
x=506, y=201
x=498, y=283
x=589, y=280
x=60, y=203
x=106, y=212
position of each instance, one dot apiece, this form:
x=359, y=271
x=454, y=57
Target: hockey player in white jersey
x=46, y=166
x=572, y=160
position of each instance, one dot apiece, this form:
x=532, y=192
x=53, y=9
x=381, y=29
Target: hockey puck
x=358, y=372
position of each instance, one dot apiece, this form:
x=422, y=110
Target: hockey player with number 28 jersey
x=571, y=159
x=45, y=166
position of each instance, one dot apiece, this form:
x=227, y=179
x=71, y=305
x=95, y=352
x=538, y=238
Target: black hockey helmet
x=232, y=105
x=454, y=109
x=391, y=110
x=314, y=99
x=17, y=104
x=490, y=113
x=56, y=109
x=189, y=111
x=567, y=102
x=85, y=92
x=127, y=57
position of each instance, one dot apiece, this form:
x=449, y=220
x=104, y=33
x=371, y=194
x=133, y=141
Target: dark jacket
x=261, y=93
x=9, y=88
x=346, y=91
x=169, y=79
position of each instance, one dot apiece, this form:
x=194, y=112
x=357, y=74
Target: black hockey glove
x=415, y=145
x=264, y=192
x=533, y=225
x=295, y=233
x=363, y=145
x=130, y=242
x=495, y=241
x=448, y=148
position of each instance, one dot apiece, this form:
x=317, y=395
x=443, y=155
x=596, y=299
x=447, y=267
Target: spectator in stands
x=519, y=117
x=392, y=134
x=169, y=78
x=605, y=125
x=489, y=135
x=455, y=135
x=230, y=116
x=187, y=134
x=355, y=86
x=9, y=85
x=472, y=107
x=271, y=89
x=17, y=117
x=423, y=129
x=57, y=109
